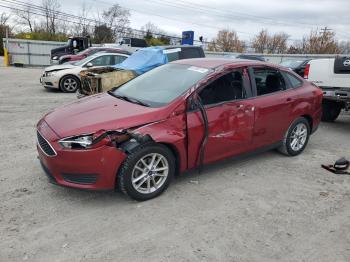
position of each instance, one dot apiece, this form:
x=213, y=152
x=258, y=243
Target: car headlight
x=77, y=142
x=51, y=73
x=55, y=58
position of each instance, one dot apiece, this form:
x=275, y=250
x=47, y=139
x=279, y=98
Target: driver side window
x=228, y=87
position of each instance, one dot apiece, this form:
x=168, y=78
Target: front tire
x=147, y=172
x=296, y=138
x=69, y=84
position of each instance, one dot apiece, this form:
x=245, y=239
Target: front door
x=230, y=119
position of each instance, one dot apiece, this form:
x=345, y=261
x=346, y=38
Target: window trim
x=253, y=83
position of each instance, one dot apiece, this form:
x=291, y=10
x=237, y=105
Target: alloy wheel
x=150, y=173
x=298, y=137
x=70, y=84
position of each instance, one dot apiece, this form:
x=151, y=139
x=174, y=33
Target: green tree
x=103, y=34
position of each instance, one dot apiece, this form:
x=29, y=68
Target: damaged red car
x=179, y=116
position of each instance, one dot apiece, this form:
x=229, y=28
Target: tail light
x=306, y=72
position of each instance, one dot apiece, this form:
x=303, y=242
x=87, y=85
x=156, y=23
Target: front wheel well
x=310, y=120
x=176, y=154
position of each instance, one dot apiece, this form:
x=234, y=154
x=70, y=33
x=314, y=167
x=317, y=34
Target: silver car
x=66, y=76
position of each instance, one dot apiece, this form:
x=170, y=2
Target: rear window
x=187, y=53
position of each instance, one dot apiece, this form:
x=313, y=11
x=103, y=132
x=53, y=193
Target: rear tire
x=147, y=172
x=69, y=84
x=296, y=138
x=331, y=111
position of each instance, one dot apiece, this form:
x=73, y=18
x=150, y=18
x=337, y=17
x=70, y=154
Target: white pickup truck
x=333, y=76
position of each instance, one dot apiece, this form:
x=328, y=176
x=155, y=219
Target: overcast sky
x=206, y=17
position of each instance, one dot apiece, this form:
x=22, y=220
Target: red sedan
x=90, y=51
x=176, y=117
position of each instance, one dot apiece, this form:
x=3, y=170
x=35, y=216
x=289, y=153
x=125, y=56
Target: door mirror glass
x=75, y=44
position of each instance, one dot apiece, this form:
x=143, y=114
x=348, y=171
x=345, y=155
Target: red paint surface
x=234, y=127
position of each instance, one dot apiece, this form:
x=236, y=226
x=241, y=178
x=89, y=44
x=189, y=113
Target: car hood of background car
x=59, y=67
x=100, y=112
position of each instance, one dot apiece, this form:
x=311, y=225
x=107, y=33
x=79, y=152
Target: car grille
x=45, y=146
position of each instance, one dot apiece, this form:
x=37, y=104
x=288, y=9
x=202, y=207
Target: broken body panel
x=196, y=134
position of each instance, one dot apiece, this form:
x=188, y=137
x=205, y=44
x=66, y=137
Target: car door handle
x=239, y=106
x=289, y=99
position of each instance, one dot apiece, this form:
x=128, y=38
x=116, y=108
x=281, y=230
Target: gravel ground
x=266, y=207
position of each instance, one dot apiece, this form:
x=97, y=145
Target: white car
x=66, y=76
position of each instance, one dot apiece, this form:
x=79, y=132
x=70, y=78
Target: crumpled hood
x=97, y=112
x=59, y=67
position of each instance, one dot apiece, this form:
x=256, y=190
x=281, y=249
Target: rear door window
x=268, y=81
x=118, y=59
x=293, y=80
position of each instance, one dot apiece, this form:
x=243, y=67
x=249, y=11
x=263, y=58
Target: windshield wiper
x=129, y=99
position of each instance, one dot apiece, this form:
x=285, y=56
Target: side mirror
x=89, y=65
x=75, y=44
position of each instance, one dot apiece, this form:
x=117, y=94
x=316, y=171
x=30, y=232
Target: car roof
x=212, y=63
x=106, y=53
x=178, y=46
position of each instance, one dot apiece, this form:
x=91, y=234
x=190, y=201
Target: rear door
x=230, y=118
x=273, y=102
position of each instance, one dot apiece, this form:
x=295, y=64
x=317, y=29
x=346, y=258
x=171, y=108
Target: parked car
x=103, y=79
x=251, y=57
x=74, y=44
x=176, y=117
x=90, y=51
x=66, y=77
x=298, y=66
x=333, y=76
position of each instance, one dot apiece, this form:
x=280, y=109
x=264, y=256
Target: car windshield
x=83, y=61
x=161, y=85
x=292, y=63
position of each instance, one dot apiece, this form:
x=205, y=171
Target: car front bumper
x=92, y=169
x=49, y=81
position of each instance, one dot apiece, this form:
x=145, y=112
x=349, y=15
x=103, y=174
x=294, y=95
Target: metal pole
x=7, y=37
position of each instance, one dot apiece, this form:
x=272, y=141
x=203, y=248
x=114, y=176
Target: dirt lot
x=265, y=208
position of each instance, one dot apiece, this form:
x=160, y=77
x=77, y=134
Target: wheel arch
x=176, y=154
x=310, y=120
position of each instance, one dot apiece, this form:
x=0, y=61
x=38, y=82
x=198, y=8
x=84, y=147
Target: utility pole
x=325, y=30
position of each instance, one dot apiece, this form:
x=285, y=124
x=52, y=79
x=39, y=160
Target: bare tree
x=264, y=42
x=227, y=41
x=319, y=43
x=4, y=19
x=117, y=18
x=261, y=41
x=84, y=26
x=344, y=47
x=51, y=11
x=26, y=17
x=277, y=44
